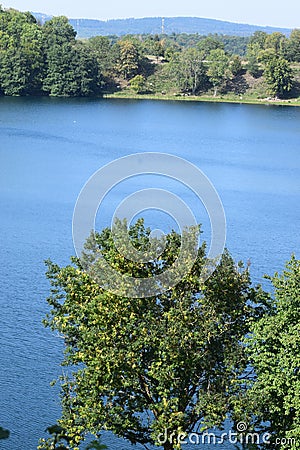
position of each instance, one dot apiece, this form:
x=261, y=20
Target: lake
x=50, y=148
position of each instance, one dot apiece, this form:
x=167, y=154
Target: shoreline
x=174, y=98
x=207, y=99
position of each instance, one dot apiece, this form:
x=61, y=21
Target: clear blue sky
x=280, y=13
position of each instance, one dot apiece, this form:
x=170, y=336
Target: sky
x=278, y=13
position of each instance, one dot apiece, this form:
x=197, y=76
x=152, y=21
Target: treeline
x=47, y=59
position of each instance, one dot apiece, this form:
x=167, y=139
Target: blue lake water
x=48, y=150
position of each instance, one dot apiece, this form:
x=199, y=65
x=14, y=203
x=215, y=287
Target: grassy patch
x=226, y=98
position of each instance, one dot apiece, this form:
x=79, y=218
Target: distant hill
x=153, y=25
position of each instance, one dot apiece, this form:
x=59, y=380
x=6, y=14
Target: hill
x=153, y=25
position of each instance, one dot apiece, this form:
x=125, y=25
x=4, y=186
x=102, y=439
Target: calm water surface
x=48, y=150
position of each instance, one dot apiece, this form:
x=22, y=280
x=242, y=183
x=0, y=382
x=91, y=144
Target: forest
x=48, y=60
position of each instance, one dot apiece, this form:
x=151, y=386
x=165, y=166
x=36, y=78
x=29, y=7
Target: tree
x=209, y=43
x=127, y=64
x=102, y=50
x=31, y=47
x=277, y=41
x=274, y=351
x=58, y=31
x=188, y=70
x=72, y=71
x=21, y=54
x=60, y=441
x=236, y=67
x=154, y=46
x=278, y=75
x=218, y=69
x=293, y=46
x=137, y=83
x=71, y=67
x=87, y=71
x=143, y=367
x=259, y=38
x=252, y=56
x=60, y=77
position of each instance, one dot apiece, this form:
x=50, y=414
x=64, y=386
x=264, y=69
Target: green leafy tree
x=170, y=51
x=31, y=47
x=252, y=57
x=89, y=78
x=277, y=41
x=236, y=67
x=127, y=64
x=102, y=50
x=21, y=54
x=218, y=69
x=209, y=43
x=60, y=78
x=273, y=348
x=188, y=70
x=153, y=45
x=278, y=75
x=141, y=366
x=258, y=38
x=267, y=55
x=58, y=31
x=235, y=45
x=60, y=440
x=137, y=83
x=293, y=46
x=72, y=68
x=13, y=72
x=72, y=71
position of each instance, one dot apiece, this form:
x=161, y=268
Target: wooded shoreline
x=49, y=60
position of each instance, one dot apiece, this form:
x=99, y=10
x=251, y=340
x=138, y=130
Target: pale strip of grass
x=220, y=99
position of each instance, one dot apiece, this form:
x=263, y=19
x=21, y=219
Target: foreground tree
x=149, y=369
x=274, y=350
x=60, y=441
